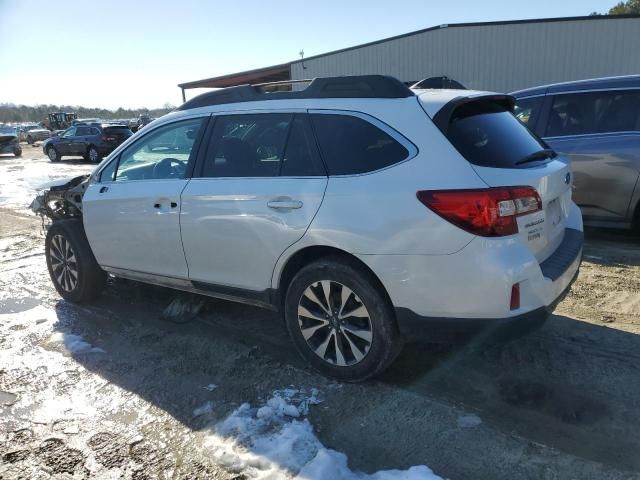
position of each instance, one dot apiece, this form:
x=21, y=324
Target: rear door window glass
x=247, y=145
x=488, y=135
x=594, y=112
x=351, y=145
x=300, y=155
x=83, y=131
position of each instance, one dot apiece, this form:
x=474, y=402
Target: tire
x=17, y=152
x=30, y=140
x=92, y=155
x=53, y=155
x=78, y=261
x=361, y=356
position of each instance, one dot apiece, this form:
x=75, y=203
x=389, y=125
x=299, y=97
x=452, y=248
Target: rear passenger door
x=80, y=140
x=254, y=194
x=600, y=132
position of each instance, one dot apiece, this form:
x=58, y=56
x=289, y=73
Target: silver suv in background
x=596, y=123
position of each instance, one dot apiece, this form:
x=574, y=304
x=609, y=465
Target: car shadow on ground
x=570, y=385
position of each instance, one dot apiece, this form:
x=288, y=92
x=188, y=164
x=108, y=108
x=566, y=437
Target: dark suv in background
x=596, y=123
x=92, y=141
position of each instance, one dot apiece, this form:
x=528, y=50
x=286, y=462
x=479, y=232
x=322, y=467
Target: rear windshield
x=117, y=131
x=488, y=135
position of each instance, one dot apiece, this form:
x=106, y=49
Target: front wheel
x=30, y=140
x=341, y=321
x=72, y=267
x=17, y=152
x=52, y=153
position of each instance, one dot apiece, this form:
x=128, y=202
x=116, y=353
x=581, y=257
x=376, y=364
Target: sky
x=132, y=54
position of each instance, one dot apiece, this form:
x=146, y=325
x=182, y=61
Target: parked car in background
x=33, y=133
x=85, y=121
x=596, y=123
x=9, y=141
x=90, y=141
x=362, y=210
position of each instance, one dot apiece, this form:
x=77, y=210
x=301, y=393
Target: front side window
x=351, y=145
x=161, y=154
x=247, y=145
x=594, y=112
x=70, y=132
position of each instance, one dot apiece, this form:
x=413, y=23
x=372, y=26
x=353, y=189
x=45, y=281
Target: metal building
x=498, y=56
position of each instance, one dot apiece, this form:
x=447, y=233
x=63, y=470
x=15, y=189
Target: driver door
x=131, y=213
x=64, y=144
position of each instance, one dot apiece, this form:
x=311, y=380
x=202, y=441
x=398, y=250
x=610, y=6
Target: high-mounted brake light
x=488, y=212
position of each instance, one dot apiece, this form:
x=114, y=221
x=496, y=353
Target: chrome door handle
x=284, y=204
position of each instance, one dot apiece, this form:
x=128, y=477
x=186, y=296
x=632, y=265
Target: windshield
x=488, y=135
x=5, y=129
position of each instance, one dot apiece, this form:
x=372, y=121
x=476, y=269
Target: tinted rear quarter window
x=117, y=131
x=350, y=145
x=488, y=135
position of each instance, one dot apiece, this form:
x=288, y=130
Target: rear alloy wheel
x=52, y=153
x=17, y=152
x=72, y=267
x=341, y=320
x=335, y=323
x=93, y=155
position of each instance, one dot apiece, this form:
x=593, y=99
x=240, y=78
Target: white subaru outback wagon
x=361, y=209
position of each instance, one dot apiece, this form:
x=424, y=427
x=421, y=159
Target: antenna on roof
x=301, y=53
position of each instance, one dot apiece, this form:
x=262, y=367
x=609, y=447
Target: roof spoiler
x=442, y=119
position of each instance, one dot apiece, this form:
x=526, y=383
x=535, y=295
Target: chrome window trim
x=397, y=136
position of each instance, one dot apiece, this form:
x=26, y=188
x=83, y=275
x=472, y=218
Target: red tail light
x=104, y=138
x=488, y=212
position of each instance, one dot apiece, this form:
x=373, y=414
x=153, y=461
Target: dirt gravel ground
x=110, y=390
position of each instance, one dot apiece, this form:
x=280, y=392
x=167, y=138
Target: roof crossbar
x=356, y=86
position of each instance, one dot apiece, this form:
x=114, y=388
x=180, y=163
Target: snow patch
x=271, y=442
x=469, y=421
x=203, y=409
x=211, y=387
x=75, y=343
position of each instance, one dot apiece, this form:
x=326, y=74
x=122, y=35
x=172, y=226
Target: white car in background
x=364, y=211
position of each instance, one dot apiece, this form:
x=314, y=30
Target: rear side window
x=82, y=131
x=117, y=131
x=488, y=135
x=594, y=112
x=247, y=145
x=351, y=145
x=528, y=109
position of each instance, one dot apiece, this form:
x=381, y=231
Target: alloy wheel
x=335, y=323
x=93, y=154
x=63, y=263
x=53, y=155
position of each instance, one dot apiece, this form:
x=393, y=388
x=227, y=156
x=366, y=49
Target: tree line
x=11, y=113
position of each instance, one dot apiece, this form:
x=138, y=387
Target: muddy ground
x=110, y=390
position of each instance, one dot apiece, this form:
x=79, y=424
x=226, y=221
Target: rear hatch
x=504, y=152
x=116, y=135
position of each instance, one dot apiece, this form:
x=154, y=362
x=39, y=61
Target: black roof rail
x=356, y=86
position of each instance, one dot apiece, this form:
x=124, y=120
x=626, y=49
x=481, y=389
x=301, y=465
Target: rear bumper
x=415, y=326
x=9, y=147
x=471, y=289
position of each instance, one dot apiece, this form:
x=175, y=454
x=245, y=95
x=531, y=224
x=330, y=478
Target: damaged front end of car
x=62, y=199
